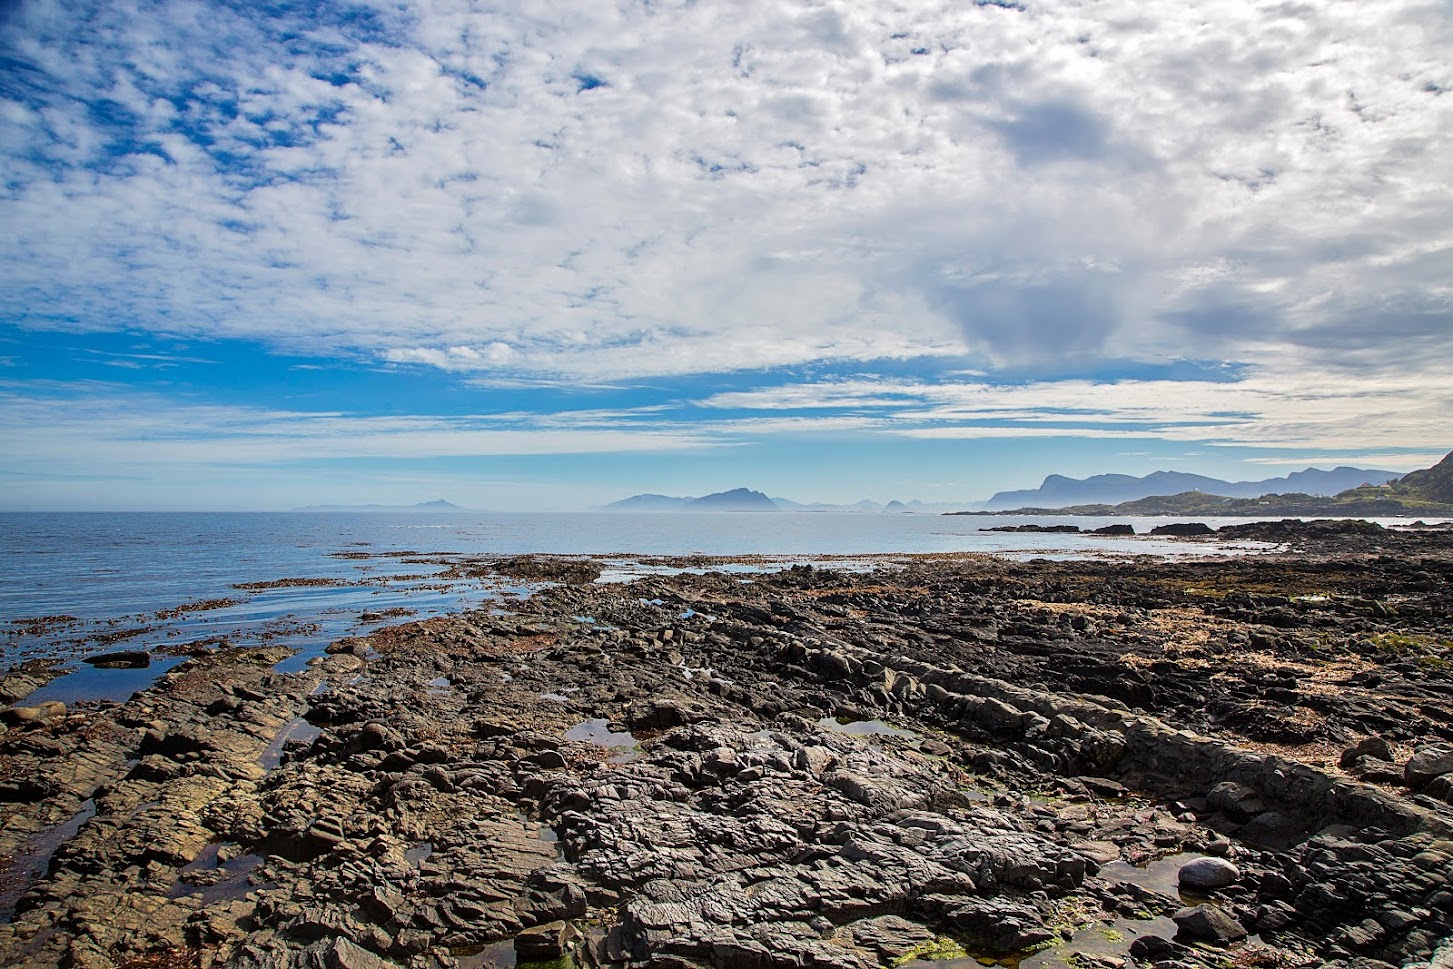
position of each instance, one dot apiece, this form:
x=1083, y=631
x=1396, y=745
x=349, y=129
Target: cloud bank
x=605, y=191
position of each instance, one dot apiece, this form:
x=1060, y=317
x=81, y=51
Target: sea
x=74, y=585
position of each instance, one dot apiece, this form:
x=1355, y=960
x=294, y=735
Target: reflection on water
x=598, y=732
x=296, y=730
x=1161, y=877
x=17, y=874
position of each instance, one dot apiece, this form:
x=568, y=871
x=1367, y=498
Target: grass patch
x=940, y=949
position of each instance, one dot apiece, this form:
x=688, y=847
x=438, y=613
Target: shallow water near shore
x=78, y=584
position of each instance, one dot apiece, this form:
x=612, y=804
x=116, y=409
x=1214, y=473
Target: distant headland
x=439, y=504
x=1425, y=492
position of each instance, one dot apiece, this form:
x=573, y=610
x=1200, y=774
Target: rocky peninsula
x=939, y=760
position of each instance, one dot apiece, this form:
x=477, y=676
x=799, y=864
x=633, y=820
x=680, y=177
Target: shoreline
x=655, y=772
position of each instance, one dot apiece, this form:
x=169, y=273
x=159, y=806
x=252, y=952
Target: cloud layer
x=609, y=191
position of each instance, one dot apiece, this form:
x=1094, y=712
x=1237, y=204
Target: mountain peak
x=737, y=499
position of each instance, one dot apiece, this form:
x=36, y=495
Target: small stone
x=1208, y=874
x=1374, y=747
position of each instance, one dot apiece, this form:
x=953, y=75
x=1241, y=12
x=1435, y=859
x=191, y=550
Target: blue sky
x=526, y=255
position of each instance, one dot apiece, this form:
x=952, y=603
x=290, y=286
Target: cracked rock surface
x=971, y=758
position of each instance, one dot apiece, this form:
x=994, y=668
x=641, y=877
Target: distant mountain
x=1426, y=492
x=438, y=504
x=738, y=499
x=649, y=503
x=741, y=499
x=1058, y=491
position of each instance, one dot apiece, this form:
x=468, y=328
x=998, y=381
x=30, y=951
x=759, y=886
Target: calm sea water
x=114, y=581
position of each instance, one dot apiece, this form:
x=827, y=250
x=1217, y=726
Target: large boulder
x=1208, y=874
x=1430, y=761
x=1183, y=529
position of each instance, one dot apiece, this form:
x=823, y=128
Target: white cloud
x=754, y=183
x=1262, y=409
x=117, y=429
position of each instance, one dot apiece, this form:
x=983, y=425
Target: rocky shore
x=944, y=760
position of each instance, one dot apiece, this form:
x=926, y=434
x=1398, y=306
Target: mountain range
x=1058, y=491
x=744, y=499
x=438, y=504
x=1425, y=492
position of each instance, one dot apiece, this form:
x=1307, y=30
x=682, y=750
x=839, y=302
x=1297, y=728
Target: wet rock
x=1153, y=948
x=1441, y=787
x=1183, y=529
x=40, y=713
x=1099, y=852
x=126, y=659
x=658, y=714
x=1207, y=923
x=890, y=936
x=1274, y=829
x=343, y=954
x=1048, y=529
x=27, y=789
x=998, y=925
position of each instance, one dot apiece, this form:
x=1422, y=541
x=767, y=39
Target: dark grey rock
x=1207, y=923
x=1375, y=747
x=543, y=942
x=1430, y=761
x=1237, y=801
x=124, y=659
x=1208, y=874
